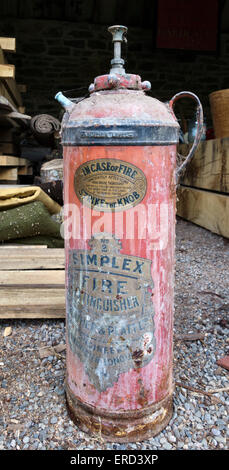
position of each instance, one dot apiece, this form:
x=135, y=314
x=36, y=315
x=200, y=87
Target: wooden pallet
x=203, y=196
x=32, y=282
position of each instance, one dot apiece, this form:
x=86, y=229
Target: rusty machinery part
x=123, y=426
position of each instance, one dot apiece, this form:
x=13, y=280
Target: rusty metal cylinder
x=120, y=197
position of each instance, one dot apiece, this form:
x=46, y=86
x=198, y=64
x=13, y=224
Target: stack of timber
x=8, y=86
x=13, y=121
x=11, y=167
x=203, y=195
x=32, y=282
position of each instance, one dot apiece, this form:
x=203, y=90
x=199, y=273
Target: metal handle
x=199, y=115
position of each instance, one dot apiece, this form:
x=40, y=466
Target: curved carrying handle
x=199, y=114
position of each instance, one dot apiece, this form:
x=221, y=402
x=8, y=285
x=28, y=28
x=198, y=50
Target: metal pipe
x=64, y=101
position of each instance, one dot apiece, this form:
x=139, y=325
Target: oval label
x=108, y=184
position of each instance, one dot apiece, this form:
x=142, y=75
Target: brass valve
x=118, y=32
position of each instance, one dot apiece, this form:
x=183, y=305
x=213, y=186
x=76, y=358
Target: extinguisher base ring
x=120, y=426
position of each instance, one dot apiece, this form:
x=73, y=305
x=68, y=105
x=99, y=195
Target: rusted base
x=123, y=426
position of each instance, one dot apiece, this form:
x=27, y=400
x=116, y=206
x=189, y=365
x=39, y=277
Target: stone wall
x=55, y=55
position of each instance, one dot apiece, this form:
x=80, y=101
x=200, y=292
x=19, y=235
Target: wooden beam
x=2, y=57
x=11, y=296
x=32, y=311
x=8, y=160
x=7, y=71
x=37, y=259
x=10, y=84
x=8, y=246
x=4, y=92
x=32, y=303
x=8, y=174
x=25, y=170
x=28, y=287
x=209, y=167
x=207, y=209
x=12, y=88
x=8, y=44
x=33, y=278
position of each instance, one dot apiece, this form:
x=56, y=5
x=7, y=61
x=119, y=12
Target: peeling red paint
x=156, y=377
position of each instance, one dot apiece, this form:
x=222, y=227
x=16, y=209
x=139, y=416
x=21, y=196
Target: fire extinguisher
x=120, y=180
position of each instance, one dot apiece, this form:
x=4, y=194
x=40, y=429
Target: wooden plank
x=35, y=250
x=38, y=293
x=209, y=167
x=2, y=57
x=11, y=297
x=49, y=258
x=41, y=263
x=32, y=311
x=25, y=170
x=9, y=160
x=5, y=93
x=24, y=247
x=32, y=303
x=8, y=174
x=8, y=44
x=33, y=278
x=7, y=71
x=207, y=209
x=11, y=86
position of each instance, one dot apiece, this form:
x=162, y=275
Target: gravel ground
x=32, y=397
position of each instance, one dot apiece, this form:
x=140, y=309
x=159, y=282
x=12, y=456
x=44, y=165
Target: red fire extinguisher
x=120, y=182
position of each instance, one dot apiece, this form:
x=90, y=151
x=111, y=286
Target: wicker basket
x=219, y=101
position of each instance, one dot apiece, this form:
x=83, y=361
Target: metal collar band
x=125, y=134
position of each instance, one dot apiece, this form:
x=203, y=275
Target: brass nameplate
x=108, y=184
x=110, y=310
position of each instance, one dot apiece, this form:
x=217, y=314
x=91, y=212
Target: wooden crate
x=32, y=282
x=203, y=196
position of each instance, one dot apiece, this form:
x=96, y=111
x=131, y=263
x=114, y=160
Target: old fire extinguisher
x=120, y=181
